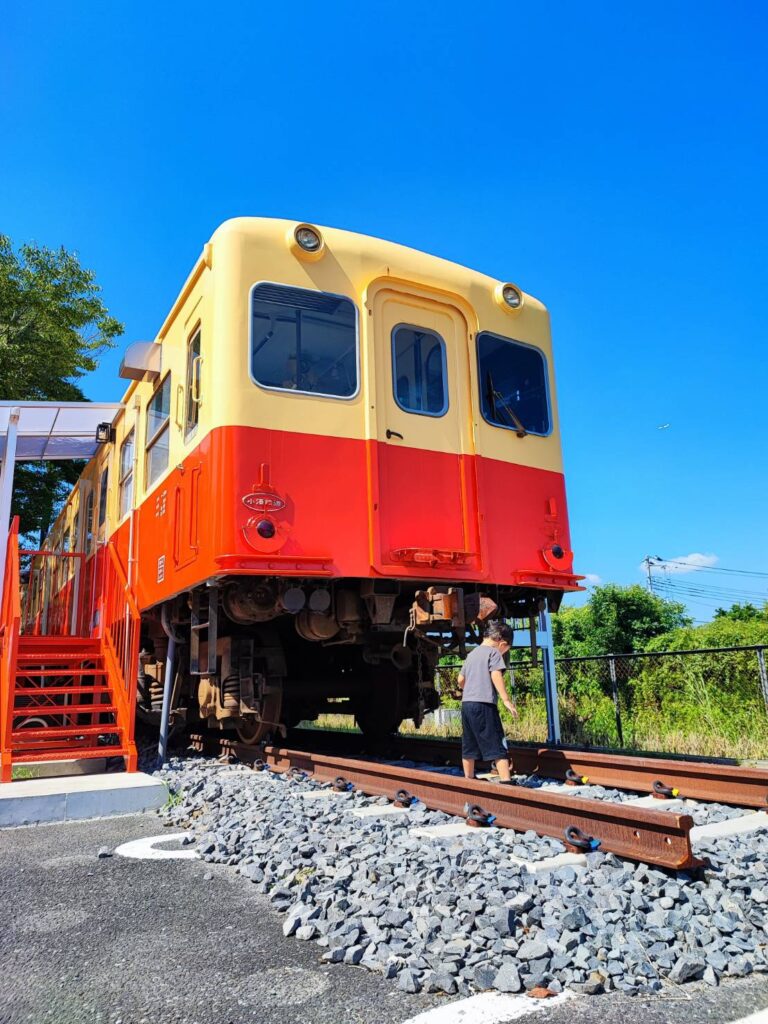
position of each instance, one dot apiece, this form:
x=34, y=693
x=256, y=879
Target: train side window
x=513, y=385
x=303, y=341
x=89, y=522
x=103, y=493
x=193, y=397
x=419, y=371
x=158, y=431
x=125, y=481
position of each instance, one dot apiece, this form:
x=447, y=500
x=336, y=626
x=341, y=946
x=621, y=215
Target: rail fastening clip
x=663, y=792
x=341, y=785
x=573, y=778
x=477, y=817
x=575, y=837
x=403, y=798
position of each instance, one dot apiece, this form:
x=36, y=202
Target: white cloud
x=592, y=579
x=683, y=563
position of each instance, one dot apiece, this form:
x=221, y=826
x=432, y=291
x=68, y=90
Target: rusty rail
x=743, y=785
x=639, y=833
x=725, y=782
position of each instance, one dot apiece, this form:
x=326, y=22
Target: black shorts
x=482, y=734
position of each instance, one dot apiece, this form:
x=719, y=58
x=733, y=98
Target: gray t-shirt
x=478, y=685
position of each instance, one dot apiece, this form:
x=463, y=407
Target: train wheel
x=256, y=729
x=380, y=708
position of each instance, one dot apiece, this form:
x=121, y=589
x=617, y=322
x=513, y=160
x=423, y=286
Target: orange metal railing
x=120, y=624
x=10, y=624
x=53, y=585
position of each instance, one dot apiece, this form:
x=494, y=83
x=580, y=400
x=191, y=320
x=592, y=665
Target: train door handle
x=394, y=433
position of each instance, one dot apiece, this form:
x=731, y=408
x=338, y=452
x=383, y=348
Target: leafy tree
x=723, y=631
x=615, y=620
x=53, y=326
x=744, y=613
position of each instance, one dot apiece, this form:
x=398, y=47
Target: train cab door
x=424, y=499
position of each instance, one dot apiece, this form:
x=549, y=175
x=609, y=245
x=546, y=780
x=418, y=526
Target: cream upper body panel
x=247, y=251
x=216, y=301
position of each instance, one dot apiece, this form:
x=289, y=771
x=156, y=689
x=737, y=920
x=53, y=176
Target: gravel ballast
x=458, y=914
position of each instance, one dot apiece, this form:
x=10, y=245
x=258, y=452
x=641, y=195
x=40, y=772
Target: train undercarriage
x=257, y=655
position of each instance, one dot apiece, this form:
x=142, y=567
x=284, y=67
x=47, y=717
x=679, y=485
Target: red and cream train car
x=337, y=455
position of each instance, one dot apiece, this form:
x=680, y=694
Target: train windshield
x=303, y=341
x=513, y=385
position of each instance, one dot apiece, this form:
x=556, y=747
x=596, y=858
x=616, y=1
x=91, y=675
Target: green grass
x=593, y=724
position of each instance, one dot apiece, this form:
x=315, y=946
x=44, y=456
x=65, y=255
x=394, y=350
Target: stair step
x=57, y=643
x=55, y=691
x=59, y=655
x=54, y=672
x=30, y=757
x=57, y=732
x=41, y=711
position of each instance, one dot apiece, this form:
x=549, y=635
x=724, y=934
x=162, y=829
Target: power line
x=724, y=592
x=657, y=559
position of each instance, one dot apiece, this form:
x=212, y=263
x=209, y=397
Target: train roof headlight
x=509, y=297
x=306, y=242
x=308, y=238
x=512, y=296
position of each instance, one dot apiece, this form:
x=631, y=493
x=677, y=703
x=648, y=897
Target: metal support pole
x=763, y=675
x=170, y=661
x=6, y=487
x=616, y=705
x=550, y=678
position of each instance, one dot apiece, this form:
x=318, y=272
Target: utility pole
x=647, y=564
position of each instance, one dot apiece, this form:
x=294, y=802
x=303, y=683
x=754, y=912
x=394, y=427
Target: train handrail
x=10, y=625
x=120, y=625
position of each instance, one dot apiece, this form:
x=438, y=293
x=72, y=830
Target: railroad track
x=641, y=833
x=722, y=781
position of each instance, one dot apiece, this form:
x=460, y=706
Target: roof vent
x=142, y=361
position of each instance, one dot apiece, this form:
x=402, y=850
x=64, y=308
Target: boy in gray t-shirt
x=482, y=683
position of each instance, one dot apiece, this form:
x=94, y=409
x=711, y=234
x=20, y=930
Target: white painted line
x=559, y=860
x=377, y=811
x=144, y=849
x=487, y=1008
x=749, y=822
x=761, y=1017
x=448, y=831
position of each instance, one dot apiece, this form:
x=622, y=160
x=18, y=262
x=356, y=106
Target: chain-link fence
x=712, y=702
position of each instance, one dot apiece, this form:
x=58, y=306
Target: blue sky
x=612, y=161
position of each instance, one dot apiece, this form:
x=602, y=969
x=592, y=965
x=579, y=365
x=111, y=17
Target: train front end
x=388, y=469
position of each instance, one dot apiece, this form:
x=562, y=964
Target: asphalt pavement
x=102, y=941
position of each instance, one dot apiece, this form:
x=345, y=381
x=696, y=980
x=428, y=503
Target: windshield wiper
x=495, y=396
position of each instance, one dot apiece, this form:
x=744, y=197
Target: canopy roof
x=53, y=430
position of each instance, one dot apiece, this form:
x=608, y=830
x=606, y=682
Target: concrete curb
x=38, y=801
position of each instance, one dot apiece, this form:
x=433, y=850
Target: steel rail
x=724, y=782
x=741, y=785
x=638, y=833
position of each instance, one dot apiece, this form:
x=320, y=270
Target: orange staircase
x=68, y=697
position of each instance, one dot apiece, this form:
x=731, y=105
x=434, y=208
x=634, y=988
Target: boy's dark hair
x=498, y=630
